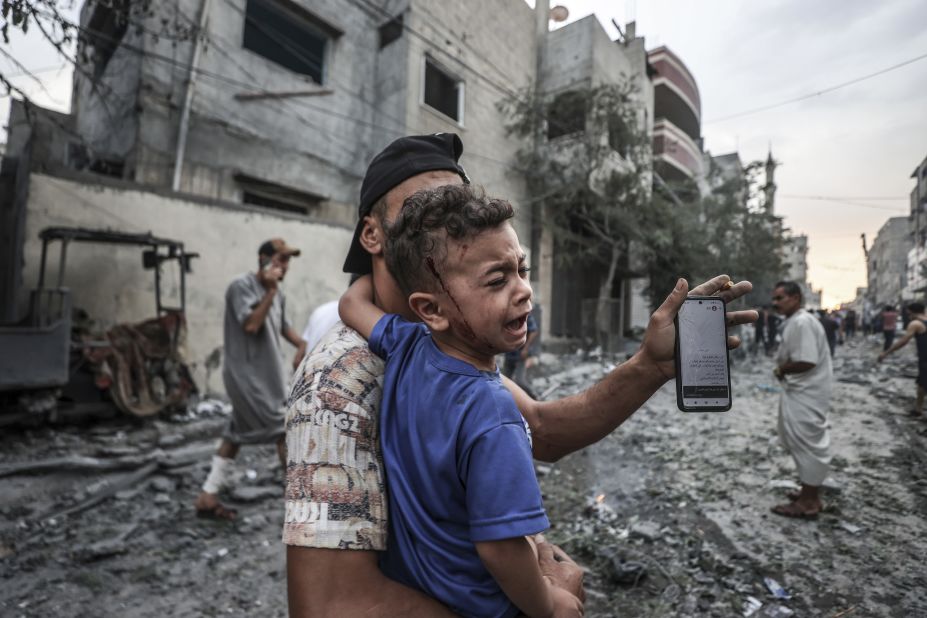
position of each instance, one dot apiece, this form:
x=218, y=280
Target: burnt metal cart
x=139, y=365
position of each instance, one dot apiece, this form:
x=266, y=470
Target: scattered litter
x=776, y=590
x=213, y=407
x=250, y=474
x=751, y=606
x=776, y=611
x=222, y=552
x=784, y=484
x=851, y=528
x=542, y=470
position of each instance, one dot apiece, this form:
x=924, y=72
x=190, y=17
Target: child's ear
x=371, y=236
x=427, y=308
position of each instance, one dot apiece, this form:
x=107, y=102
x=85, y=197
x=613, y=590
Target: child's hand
x=565, y=604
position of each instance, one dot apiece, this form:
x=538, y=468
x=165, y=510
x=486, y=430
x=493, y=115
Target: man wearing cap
x=336, y=518
x=255, y=319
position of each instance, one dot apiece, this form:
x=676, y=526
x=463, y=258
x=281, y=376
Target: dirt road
x=686, y=496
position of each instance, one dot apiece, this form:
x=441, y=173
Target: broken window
x=443, y=91
x=566, y=114
x=271, y=195
x=390, y=31
x=105, y=30
x=288, y=35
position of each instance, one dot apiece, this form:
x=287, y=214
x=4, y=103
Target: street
x=687, y=496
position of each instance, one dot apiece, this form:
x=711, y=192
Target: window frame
x=305, y=21
x=460, y=85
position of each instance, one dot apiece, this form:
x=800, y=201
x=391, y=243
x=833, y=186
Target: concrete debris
x=776, y=611
x=255, y=494
x=751, y=606
x=669, y=516
x=647, y=530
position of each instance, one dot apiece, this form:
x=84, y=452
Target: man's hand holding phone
x=657, y=349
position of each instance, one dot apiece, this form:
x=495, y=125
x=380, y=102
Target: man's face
x=281, y=261
x=487, y=296
x=784, y=303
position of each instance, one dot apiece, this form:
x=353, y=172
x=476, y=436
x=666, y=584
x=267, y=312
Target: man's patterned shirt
x=335, y=494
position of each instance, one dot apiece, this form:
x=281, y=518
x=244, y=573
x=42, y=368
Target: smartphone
x=703, y=368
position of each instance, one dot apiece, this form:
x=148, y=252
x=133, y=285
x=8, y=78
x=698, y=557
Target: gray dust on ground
x=669, y=515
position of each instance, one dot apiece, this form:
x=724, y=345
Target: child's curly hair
x=417, y=240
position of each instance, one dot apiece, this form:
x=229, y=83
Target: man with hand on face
x=255, y=319
x=336, y=518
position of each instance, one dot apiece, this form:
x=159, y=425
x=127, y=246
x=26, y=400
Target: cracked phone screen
x=703, y=354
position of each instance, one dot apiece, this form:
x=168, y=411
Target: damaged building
x=225, y=122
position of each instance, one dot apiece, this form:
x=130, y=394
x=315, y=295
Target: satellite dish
x=559, y=13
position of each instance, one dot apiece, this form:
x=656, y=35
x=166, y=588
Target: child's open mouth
x=516, y=325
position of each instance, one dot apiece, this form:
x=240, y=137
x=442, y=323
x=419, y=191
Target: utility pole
x=188, y=98
x=541, y=20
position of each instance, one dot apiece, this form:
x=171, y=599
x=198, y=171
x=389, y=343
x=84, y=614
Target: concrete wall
x=104, y=109
x=888, y=260
x=112, y=286
x=490, y=46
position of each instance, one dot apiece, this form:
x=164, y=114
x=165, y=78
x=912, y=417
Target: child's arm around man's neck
x=357, y=309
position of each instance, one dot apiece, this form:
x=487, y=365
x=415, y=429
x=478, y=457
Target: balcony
x=675, y=92
x=676, y=156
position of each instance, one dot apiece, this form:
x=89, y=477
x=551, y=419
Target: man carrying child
x=335, y=499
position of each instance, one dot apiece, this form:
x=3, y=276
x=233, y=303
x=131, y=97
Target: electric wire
x=817, y=93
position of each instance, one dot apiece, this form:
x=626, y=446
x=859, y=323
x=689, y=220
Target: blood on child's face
x=487, y=295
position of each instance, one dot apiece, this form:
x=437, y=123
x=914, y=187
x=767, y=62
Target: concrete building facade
x=272, y=109
x=916, y=287
x=677, y=140
x=888, y=262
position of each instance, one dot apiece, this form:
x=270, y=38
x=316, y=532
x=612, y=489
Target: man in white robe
x=804, y=369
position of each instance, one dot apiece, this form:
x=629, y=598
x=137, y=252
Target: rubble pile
x=686, y=498
x=669, y=515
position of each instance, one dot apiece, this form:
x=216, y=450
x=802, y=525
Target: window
x=286, y=34
x=443, y=92
x=271, y=195
x=105, y=30
x=566, y=114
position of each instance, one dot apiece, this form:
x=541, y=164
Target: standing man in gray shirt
x=255, y=319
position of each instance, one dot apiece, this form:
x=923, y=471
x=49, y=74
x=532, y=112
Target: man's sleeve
x=503, y=497
x=390, y=332
x=285, y=325
x=242, y=300
x=532, y=324
x=803, y=347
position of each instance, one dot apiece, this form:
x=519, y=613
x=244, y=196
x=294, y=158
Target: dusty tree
x=589, y=163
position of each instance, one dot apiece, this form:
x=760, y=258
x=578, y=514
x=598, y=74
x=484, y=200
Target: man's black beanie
x=404, y=158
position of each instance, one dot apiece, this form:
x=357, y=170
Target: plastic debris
x=775, y=589
x=851, y=528
x=222, y=552
x=768, y=388
x=751, y=606
x=776, y=611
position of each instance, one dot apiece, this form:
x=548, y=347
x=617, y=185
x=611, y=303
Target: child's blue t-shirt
x=458, y=465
